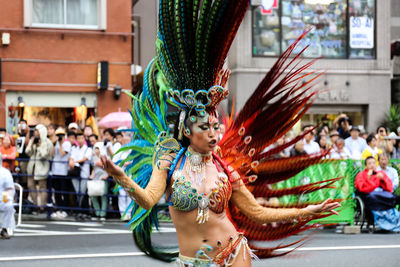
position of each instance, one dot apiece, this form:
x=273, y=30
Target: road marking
x=135, y=254
x=26, y=225
x=72, y=256
x=86, y=231
x=341, y=248
x=90, y=224
x=101, y=230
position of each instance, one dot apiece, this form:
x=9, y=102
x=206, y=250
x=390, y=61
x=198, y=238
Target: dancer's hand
x=113, y=170
x=326, y=206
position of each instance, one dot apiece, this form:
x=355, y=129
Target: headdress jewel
x=200, y=101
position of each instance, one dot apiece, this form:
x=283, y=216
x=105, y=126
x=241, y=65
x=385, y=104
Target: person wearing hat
x=59, y=171
x=73, y=127
x=333, y=136
x=355, y=144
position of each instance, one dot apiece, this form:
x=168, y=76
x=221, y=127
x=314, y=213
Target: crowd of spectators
x=342, y=142
x=54, y=165
x=62, y=160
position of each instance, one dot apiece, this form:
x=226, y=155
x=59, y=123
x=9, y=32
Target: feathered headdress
x=194, y=38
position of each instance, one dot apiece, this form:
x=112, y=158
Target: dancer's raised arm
x=147, y=197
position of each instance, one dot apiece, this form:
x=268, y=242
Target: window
x=339, y=28
x=362, y=38
x=69, y=14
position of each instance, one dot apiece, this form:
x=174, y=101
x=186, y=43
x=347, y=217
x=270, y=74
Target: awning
x=51, y=99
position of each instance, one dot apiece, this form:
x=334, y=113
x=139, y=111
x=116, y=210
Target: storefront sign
x=266, y=5
x=361, y=32
x=334, y=96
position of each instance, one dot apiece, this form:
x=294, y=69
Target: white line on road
x=87, y=231
x=26, y=225
x=135, y=254
x=72, y=256
x=92, y=224
x=341, y=248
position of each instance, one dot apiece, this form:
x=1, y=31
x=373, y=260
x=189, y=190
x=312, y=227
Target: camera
x=36, y=140
x=106, y=141
x=31, y=132
x=374, y=172
x=60, y=137
x=19, y=144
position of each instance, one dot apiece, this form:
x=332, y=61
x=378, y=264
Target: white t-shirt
x=79, y=153
x=6, y=181
x=356, y=147
x=344, y=154
x=114, y=147
x=60, y=164
x=312, y=147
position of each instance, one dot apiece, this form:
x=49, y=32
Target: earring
x=187, y=131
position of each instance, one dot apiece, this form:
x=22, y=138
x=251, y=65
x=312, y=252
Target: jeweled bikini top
x=186, y=198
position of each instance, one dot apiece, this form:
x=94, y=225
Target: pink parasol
x=116, y=119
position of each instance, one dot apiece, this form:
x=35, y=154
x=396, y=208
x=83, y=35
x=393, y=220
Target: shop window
x=362, y=28
x=339, y=28
x=69, y=14
x=266, y=33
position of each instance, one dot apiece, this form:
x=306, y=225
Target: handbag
x=95, y=188
x=75, y=172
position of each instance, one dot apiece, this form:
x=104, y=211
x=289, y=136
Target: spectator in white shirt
x=339, y=151
x=110, y=148
x=310, y=146
x=390, y=171
x=355, y=144
x=59, y=171
x=6, y=202
x=81, y=157
x=123, y=198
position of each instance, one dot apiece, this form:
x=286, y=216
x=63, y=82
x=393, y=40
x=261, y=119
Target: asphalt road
x=110, y=244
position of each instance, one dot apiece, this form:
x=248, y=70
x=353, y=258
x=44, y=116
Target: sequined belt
x=225, y=256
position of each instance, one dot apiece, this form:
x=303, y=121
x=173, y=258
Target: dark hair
x=52, y=125
x=110, y=131
x=23, y=121
x=185, y=142
x=370, y=137
x=307, y=126
x=3, y=130
x=79, y=134
x=343, y=119
x=119, y=133
x=377, y=129
x=370, y=157
x=69, y=133
x=95, y=136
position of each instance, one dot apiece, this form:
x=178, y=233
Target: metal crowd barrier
x=344, y=189
x=51, y=206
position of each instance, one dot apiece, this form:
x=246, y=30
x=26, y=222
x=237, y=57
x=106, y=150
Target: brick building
x=50, y=53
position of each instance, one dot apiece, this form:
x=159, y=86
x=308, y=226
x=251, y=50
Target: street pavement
x=66, y=243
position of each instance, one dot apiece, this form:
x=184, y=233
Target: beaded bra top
x=186, y=198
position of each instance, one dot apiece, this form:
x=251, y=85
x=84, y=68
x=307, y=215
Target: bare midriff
x=191, y=235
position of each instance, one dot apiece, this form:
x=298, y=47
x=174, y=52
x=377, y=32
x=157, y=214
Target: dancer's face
x=204, y=134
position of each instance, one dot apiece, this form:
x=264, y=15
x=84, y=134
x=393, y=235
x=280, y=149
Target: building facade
x=50, y=53
x=352, y=37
